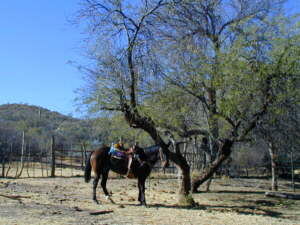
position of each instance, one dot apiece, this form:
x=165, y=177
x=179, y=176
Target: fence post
x=83, y=155
x=9, y=159
x=22, y=156
x=28, y=162
x=3, y=164
x=292, y=168
x=71, y=157
x=52, y=156
x=41, y=160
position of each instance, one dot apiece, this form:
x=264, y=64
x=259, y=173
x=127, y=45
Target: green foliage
x=110, y=129
x=172, y=109
x=39, y=124
x=193, y=65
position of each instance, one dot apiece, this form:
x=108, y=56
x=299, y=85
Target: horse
x=101, y=162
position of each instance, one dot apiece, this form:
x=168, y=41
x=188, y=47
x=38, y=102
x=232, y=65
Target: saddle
x=117, y=153
x=119, y=162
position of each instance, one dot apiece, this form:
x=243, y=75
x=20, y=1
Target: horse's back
x=99, y=158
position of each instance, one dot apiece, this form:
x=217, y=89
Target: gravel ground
x=68, y=201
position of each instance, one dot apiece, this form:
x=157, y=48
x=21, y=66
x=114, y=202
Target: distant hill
x=39, y=124
x=22, y=116
x=17, y=112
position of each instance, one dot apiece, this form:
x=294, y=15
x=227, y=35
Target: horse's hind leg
x=141, y=185
x=95, y=183
x=103, y=185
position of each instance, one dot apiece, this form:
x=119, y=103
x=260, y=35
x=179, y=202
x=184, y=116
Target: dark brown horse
x=101, y=161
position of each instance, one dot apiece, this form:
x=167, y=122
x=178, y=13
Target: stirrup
x=129, y=174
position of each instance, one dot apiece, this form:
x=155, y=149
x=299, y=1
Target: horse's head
x=153, y=154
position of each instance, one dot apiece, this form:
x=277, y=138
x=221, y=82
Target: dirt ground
x=65, y=200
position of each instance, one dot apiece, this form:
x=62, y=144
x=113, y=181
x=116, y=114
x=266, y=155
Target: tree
x=224, y=54
x=221, y=61
x=280, y=130
x=119, y=79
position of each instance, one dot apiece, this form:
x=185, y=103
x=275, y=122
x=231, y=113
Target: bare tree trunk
x=145, y=123
x=207, y=150
x=224, y=153
x=274, y=158
x=208, y=159
x=283, y=195
x=22, y=155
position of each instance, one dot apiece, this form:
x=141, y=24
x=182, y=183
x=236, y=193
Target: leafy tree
x=228, y=56
x=120, y=79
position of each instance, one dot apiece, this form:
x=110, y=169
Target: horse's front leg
x=141, y=185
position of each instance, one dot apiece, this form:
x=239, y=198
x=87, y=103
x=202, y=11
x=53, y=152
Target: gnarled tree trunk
x=224, y=153
x=136, y=121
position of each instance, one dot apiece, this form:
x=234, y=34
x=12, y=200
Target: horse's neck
x=152, y=154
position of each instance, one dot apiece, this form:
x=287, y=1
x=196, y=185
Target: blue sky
x=36, y=42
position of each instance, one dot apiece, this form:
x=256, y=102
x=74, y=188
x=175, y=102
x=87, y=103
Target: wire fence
x=69, y=160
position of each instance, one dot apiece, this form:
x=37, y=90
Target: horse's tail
x=88, y=169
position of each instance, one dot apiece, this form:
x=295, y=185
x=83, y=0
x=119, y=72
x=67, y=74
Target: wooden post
x=83, y=155
x=41, y=160
x=47, y=160
x=9, y=160
x=33, y=163
x=22, y=155
x=71, y=157
x=53, y=156
x=3, y=164
x=274, y=159
x=28, y=162
x=62, y=155
x=292, y=167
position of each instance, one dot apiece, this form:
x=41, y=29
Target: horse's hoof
x=110, y=199
x=96, y=201
x=143, y=204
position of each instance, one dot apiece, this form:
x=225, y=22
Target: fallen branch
x=14, y=197
x=283, y=195
x=101, y=212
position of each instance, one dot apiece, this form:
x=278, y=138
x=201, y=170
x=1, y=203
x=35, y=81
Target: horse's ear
x=136, y=144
